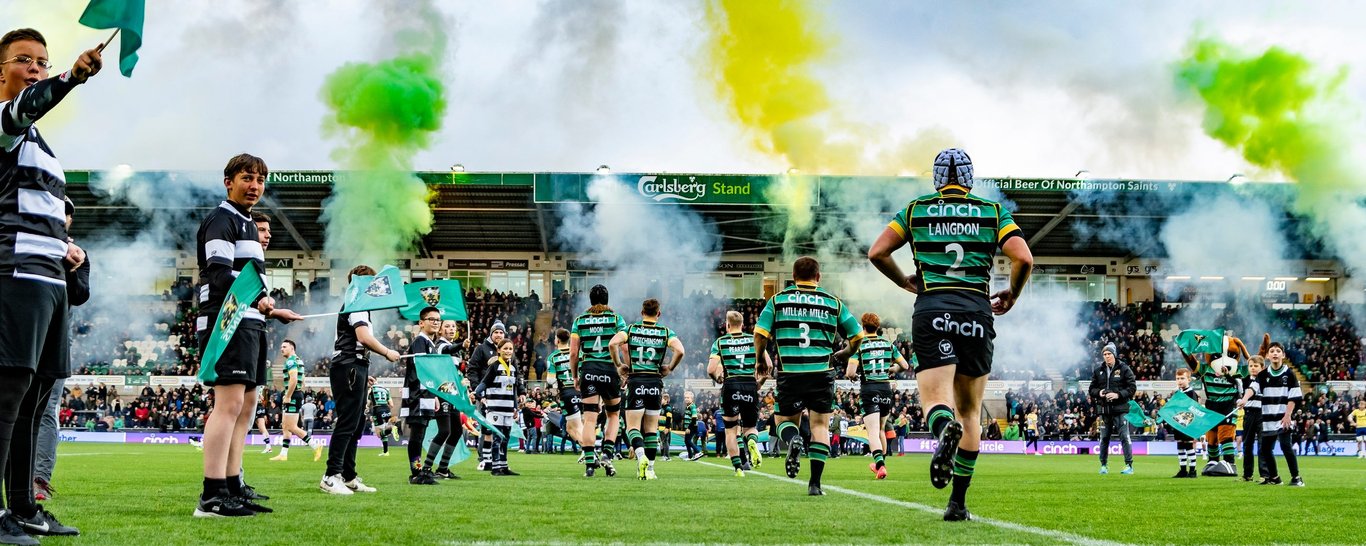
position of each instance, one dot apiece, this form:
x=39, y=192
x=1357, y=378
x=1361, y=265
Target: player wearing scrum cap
x=954, y=236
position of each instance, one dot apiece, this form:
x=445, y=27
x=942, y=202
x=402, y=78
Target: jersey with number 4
x=595, y=332
x=805, y=322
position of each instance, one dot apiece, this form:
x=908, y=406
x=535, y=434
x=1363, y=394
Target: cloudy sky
x=1030, y=89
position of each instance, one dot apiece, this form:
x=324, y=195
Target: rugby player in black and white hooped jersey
x=227, y=241
x=35, y=255
x=348, y=377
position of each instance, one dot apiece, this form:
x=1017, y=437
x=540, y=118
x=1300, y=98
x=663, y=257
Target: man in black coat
x=1112, y=387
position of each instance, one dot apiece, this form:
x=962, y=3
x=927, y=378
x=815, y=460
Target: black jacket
x=478, y=362
x=1118, y=379
x=78, y=284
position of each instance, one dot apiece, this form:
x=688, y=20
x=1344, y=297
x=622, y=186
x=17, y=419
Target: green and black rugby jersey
x=805, y=321
x=379, y=396
x=646, y=343
x=296, y=364
x=558, y=365
x=1219, y=389
x=595, y=332
x=737, y=355
x=954, y=236
x=876, y=355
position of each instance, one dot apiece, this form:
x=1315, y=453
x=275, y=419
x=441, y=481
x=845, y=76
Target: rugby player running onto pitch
x=873, y=365
x=294, y=399
x=805, y=321
x=954, y=236
x=590, y=362
x=734, y=365
x=643, y=364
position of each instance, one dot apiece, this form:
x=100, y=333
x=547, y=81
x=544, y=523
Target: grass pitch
x=144, y=494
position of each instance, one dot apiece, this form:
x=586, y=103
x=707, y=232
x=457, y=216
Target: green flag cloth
x=1135, y=415
x=1201, y=341
x=1188, y=416
x=444, y=295
x=240, y=296
x=462, y=451
x=125, y=15
x=371, y=292
x=437, y=373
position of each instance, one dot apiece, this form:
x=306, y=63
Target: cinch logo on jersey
x=651, y=186
x=953, y=209
x=965, y=329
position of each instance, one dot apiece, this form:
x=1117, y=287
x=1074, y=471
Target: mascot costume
x=1219, y=373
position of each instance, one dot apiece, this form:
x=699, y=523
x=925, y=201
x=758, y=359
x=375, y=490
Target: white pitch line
x=1011, y=526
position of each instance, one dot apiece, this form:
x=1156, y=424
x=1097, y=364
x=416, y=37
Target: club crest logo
x=1199, y=339
x=230, y=305
x=379, y=288
x=431, y=295
x=1184, y=418
x=448, y=388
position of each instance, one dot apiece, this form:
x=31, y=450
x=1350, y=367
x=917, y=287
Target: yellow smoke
x=762, y=56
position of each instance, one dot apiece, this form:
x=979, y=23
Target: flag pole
x=107, y=42
x=316, y=315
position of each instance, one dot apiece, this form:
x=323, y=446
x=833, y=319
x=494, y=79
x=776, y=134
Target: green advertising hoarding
x=681, y=189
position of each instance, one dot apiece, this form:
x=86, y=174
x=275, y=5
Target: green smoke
x=384, y=112
x=1283, y=114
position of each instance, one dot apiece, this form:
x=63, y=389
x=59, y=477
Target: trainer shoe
x=249, y=493
x=879, y=473
x=957, y=512
x=268, y=449
x=755, y=457
x=1104, y=470
x=1270, y=481
x=445, y=474
x=793, y=464
x=254, y=506
x=1296, y=482
x=318, y=452
x=941, y=463
x=1182, y=474
x=42, y=490
x=640, y=467
x=45, y=524
x=283, y=456
x=358, y=486
x=1128, y=470
x=334, y=485
x=222, y=507
x=11, y=532
x=608, y=468
x=698, y=456
x=814, y=491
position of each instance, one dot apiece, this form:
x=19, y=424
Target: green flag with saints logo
x=1201, y=341
x=445, y=295
x=1135, y=415
x=241, y=295
x=438, y=374
x=1188, y=416
x=371, y=292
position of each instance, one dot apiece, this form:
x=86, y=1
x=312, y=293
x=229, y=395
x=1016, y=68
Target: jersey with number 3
x=805, y=322
x=954, y=236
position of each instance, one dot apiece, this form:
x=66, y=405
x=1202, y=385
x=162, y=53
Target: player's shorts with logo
x=962, y=338
x=1361, y=434
x=875, y=397
x=242, y=361
x=598, y=380
x=740, y=398
x=381, y=415
x=805, y=391
x=570, y=401
x=644, y=392
x=295, y=402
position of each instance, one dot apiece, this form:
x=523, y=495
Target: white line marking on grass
x=1011, y=526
